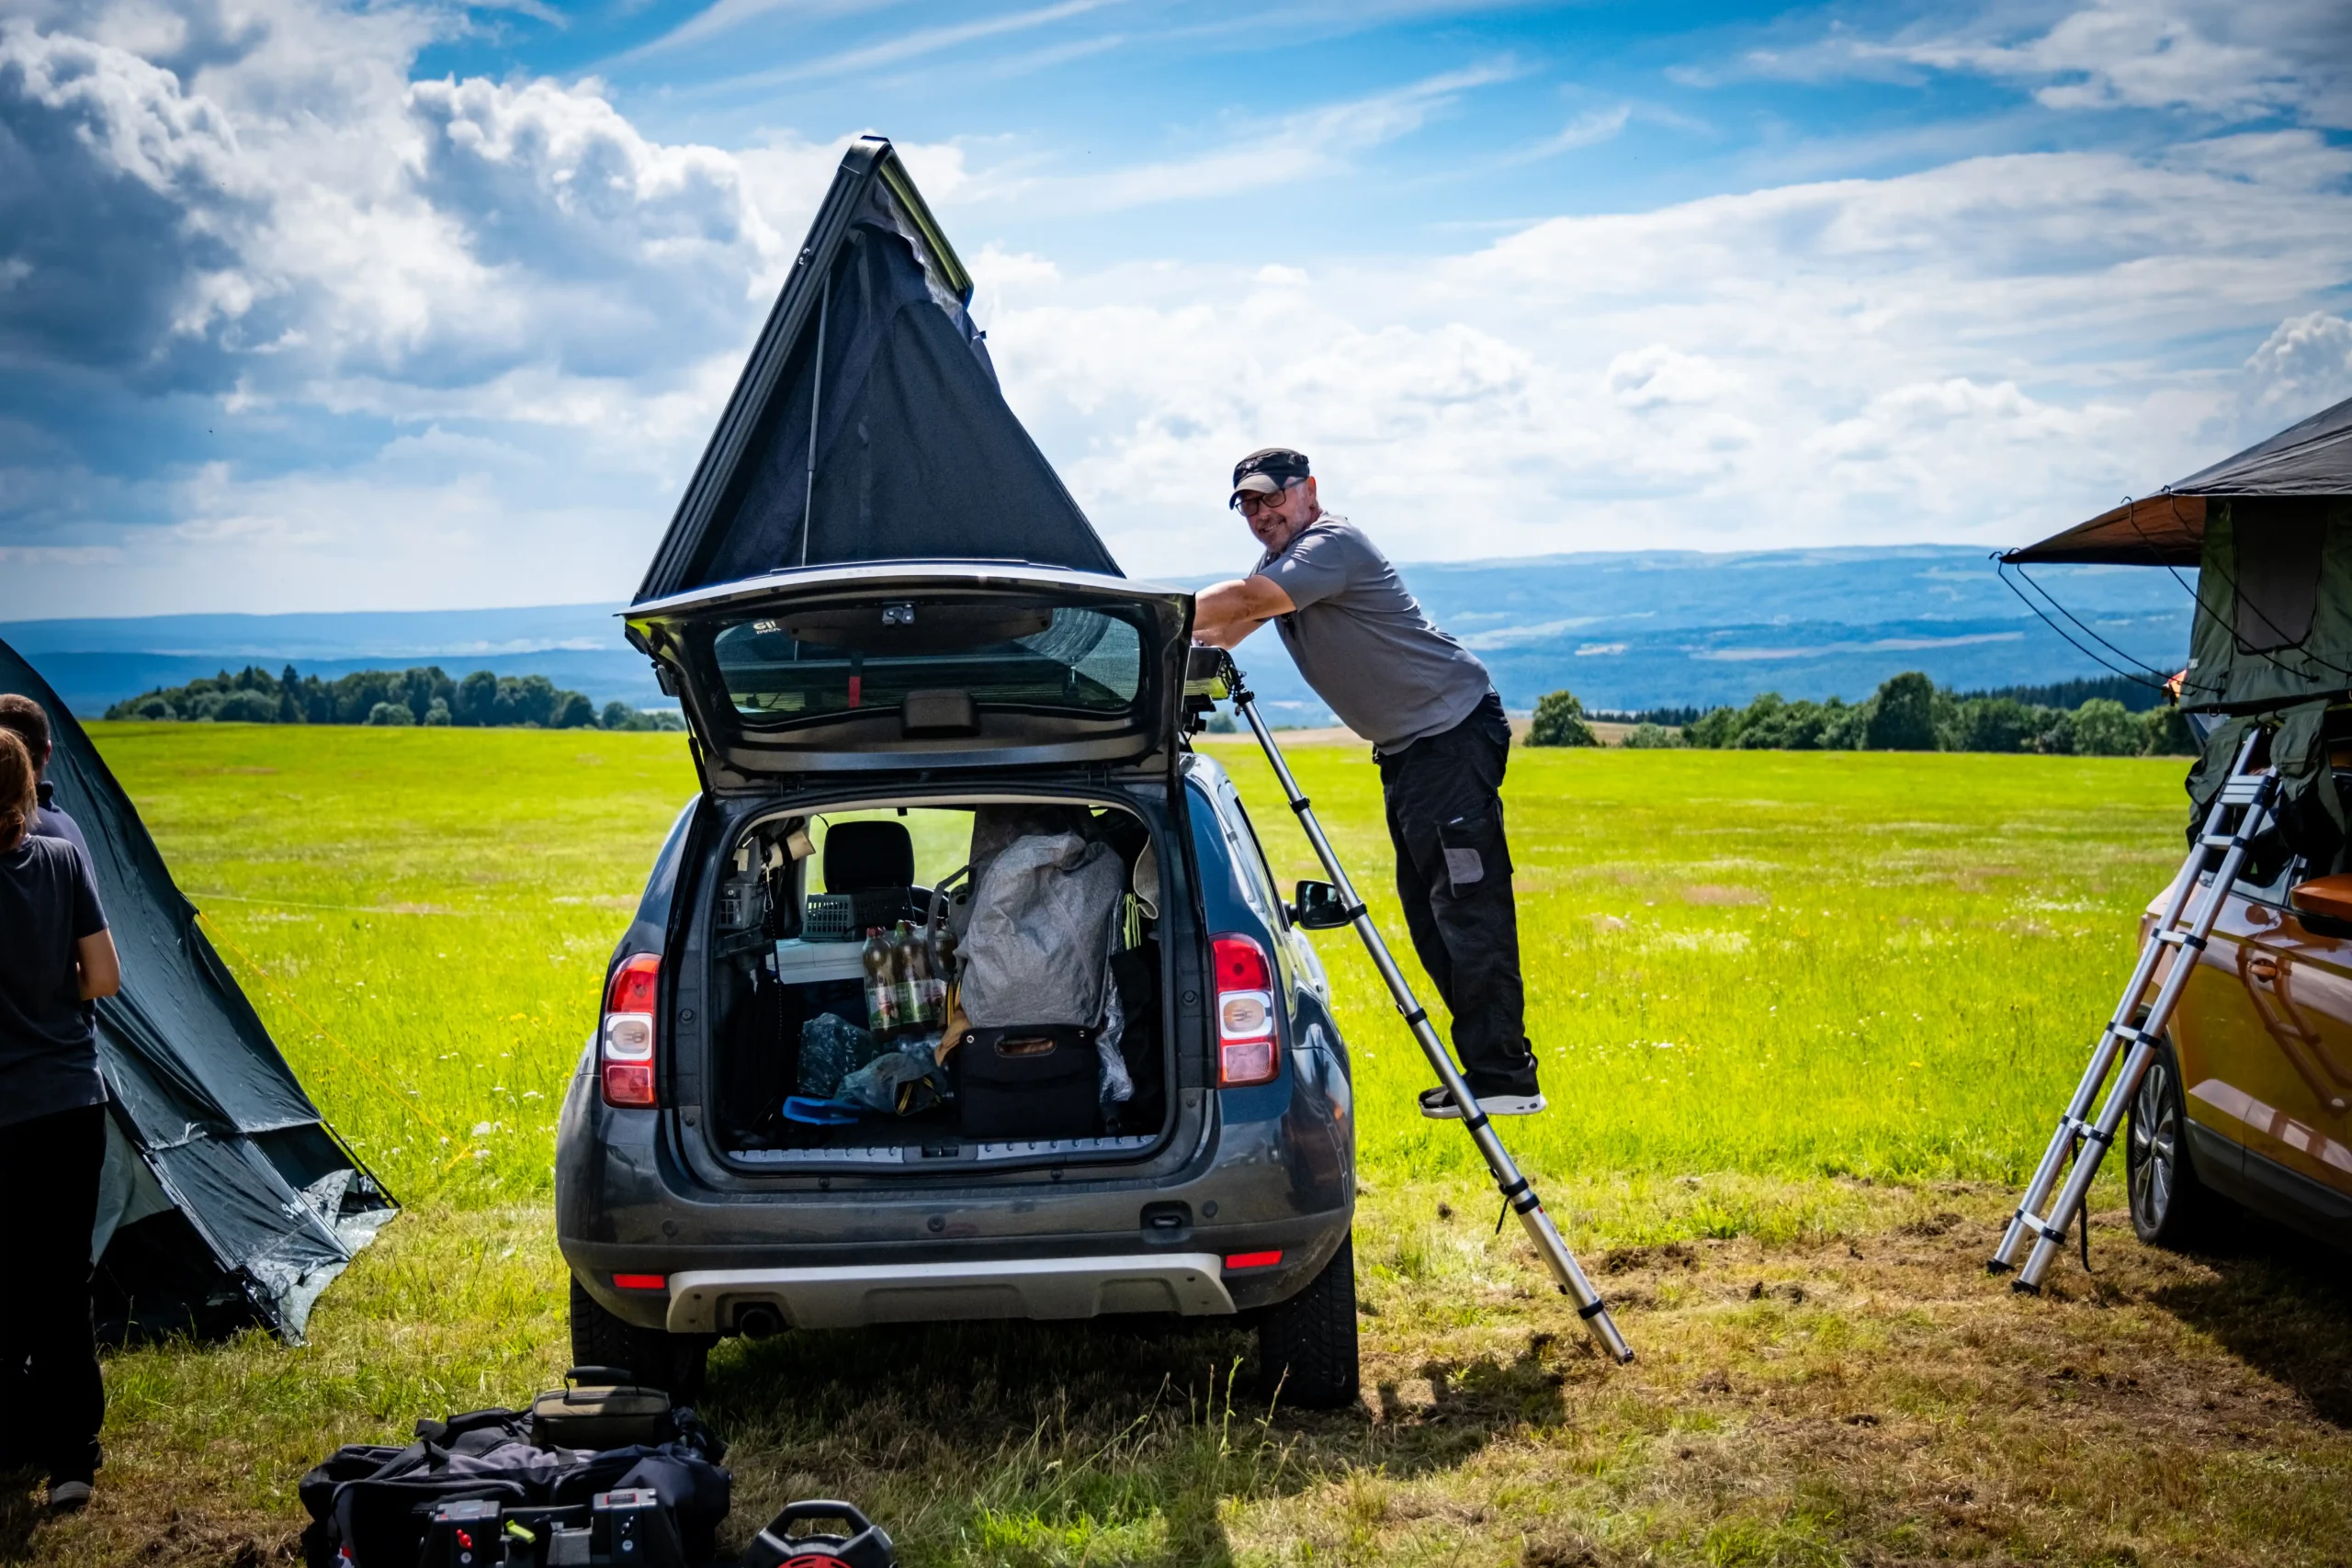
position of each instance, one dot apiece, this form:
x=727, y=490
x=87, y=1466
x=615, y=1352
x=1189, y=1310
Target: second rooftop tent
x=2263, y=541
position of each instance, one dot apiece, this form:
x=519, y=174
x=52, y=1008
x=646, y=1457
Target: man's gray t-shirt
x=1362, y=642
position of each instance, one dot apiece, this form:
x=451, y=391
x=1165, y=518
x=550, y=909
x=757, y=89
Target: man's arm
x=101, y=969
x=1225, y=613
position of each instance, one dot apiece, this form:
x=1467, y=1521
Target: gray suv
x=918, y=691
x=867, y=734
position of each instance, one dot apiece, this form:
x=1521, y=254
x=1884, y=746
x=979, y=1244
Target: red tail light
x=1252, y=1260
x=626, y=1050
x=1246, y=1050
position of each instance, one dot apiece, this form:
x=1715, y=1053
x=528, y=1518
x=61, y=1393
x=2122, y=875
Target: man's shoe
x=1437, y=1104
x=68, y=1496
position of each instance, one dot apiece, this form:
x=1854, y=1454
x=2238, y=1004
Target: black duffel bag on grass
x=370, y=1504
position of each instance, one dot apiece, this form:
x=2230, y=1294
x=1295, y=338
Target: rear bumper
x=712, y=1301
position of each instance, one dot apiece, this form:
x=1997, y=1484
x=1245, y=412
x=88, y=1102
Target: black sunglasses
x=1250, y=498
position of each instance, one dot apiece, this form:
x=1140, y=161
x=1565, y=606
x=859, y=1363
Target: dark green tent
x=226, y=1200
x=2269, y=534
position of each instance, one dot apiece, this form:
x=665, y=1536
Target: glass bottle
x=881, y=985
x=916, y=1015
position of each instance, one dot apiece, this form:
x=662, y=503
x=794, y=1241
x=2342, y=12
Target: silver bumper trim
x=1190, y=1284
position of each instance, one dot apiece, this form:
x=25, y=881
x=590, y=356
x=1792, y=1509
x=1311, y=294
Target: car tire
x=1306, y=1346
x=671, y=1362
x=2171, y=1205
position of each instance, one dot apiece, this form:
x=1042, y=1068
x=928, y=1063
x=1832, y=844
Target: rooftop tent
x=2270, y=532
x=870, y=363
x=226, y=1200
x=2314, y=458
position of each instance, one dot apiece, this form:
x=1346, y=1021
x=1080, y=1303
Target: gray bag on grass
x=1040, y=934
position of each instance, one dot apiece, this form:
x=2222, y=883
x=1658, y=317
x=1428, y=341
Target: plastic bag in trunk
x=1040, y=933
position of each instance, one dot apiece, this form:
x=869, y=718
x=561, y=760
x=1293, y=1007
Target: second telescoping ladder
x=1516, y=1190
x=2131, y=1034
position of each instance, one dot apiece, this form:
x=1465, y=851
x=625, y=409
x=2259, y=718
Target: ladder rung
x=2220, y=841
x=2245, y=792
x=2178, y=938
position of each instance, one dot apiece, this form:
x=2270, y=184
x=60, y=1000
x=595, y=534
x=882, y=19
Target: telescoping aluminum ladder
x=1516, y=1190
x=2249, y=798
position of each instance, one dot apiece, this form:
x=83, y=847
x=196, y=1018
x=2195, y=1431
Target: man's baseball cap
x=1266, y=471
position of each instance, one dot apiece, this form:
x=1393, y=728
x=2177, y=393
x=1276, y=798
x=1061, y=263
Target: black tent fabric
x=870, y=358
x=2310, y=458
x=226, y=1200
x=2313, y=457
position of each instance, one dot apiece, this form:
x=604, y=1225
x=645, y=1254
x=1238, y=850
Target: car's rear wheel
x=1306, y=1346
x=2170, y=1205
x=671, y=1362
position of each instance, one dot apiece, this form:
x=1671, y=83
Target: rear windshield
x=952, y=656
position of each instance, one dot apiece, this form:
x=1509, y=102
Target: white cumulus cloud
x=471, y=333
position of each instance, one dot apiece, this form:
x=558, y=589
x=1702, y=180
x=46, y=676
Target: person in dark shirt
x=24, y=717
x=53, y=1138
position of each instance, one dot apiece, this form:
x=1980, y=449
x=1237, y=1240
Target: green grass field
x=1778, y=963
x=1803, y=1020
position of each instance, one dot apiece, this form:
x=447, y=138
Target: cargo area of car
x=974, y=980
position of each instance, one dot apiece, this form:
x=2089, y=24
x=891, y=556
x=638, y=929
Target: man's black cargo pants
x=1445, y=816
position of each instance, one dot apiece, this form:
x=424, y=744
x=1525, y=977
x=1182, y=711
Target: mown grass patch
x=1726, y=951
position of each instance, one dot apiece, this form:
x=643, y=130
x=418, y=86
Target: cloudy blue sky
x=310, y=306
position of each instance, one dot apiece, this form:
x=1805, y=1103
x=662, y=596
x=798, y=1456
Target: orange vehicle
x=2249, y=1097
x=2232, y=1082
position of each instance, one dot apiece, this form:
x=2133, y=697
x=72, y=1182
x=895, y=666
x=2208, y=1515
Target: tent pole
x=815, y=401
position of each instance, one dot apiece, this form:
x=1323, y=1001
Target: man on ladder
x=1438, y=734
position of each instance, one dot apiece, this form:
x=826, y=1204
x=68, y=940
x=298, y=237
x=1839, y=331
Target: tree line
x=424, y=695
x=1909, y=712
x=2136, y=696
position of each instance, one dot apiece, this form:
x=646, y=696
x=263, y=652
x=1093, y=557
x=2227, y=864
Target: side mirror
x=2324, y=897
x=1317, y=908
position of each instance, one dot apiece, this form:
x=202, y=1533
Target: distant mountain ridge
x=1632, y=629
x=1653, y=628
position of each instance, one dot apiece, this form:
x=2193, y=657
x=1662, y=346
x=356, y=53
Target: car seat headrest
x=868, y=854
